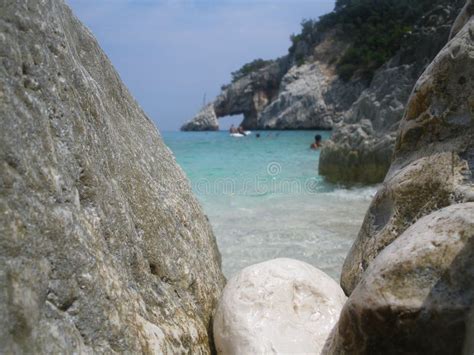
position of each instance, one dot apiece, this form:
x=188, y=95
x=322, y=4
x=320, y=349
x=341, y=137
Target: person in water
x=317, y=142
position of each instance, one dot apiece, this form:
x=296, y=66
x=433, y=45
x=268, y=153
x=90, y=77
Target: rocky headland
x=103, y=247
x=309, y=89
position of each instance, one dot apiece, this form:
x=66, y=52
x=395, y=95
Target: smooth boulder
x=417, y=294
x=278, y=306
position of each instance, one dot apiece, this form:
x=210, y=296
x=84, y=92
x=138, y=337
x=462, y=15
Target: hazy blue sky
x=172, y=52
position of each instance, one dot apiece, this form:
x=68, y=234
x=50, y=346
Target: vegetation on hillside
x=249, y=68
x=375, y=28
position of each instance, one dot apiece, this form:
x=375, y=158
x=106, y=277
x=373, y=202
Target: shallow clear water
x=265, y=199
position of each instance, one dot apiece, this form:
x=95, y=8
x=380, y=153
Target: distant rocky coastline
x=364, y=115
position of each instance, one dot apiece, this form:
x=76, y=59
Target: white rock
x=300, y=103
x=279, y=306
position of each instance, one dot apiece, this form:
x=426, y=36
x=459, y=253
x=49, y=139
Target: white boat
x=238, y=135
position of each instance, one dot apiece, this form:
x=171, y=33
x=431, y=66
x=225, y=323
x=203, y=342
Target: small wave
x=355, y=193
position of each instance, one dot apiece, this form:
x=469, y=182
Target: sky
x=172, y=53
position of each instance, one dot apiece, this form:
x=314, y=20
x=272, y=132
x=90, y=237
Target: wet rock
x=279, y=306
x=104, y=248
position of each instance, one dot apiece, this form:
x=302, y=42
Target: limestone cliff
x=410, y=273
x=103, y=249
x=205, y=120
x=300, y=103
x=248, y=95
x=304, y=90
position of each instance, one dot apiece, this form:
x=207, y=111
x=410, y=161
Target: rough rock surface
x=103, y=249
x=288, y=95
x=205, y=120
x=281, y=306
x=350, y=159
x=251, y=94
x=283, y=95
x=416, y=296
x=355, y=154
x=248, y=96
x=300, y=103
x=434, y=155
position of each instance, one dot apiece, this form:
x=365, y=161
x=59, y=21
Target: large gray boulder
x=300, y=103
x=416, y=296
x=104, y=248
x=205, y=120
x=434, y=155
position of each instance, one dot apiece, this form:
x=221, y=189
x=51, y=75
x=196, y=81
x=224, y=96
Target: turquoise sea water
x=265, y=199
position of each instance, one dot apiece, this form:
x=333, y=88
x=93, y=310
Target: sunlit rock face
x=417, y=294
x=280, y=306
x=205, y=120
x=103, y=247
x=300, y=103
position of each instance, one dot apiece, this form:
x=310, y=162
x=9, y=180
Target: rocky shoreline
x=105, y=249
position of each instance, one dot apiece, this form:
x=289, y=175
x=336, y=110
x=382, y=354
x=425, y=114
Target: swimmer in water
x=317, y=142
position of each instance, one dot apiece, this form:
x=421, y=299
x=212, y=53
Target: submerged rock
x=205, y=120
x=279, y=306
x=104, y=248
x=417, y=294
